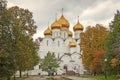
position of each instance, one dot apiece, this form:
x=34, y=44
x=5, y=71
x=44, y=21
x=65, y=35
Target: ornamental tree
x=49, y=63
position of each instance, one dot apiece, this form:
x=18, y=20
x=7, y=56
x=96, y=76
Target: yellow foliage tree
x=92, y=40
x=114, y=62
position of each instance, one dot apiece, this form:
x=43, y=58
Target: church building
x=58, y=39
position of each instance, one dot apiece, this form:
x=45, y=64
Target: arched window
x=64, y=34
x=47, y=43
x=58, y=43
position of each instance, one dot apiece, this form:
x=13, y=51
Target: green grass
x=17, y=78
x=100, y=77
x=66, y=78
x=50, y=78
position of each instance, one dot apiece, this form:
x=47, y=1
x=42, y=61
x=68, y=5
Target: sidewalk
x=35, y=78
x=57, y=78
x=79, y=78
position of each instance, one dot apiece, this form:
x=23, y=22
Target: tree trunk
x=14, y=76
x=27, y=74
x=20, y=73
x=8, y=78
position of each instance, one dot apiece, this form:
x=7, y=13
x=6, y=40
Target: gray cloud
x=90, y=12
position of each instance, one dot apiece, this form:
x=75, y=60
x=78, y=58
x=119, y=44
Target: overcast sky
x=90, y=12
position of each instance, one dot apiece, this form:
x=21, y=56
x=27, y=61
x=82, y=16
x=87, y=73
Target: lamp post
x=105, y=69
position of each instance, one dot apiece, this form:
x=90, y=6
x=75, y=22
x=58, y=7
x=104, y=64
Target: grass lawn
x=100, y=77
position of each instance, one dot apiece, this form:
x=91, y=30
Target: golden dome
x=55, y=25
x=63, y=22
x=70, y=33
x=78, y=26
x=72, y=44
x=48, y=31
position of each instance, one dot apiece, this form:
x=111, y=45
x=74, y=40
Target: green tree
x=23, y=28
x=6, y=59
x=18, y=51
x=112, y=42
x=49, y=63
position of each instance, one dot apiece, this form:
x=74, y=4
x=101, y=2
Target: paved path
x=35, y=78
x=57, y=78
x=78, y=78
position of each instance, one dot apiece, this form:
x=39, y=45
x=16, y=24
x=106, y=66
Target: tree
x=49, y=64
x=22, y=29
x=91, y=44
x=98, y=61
x=112, y=42
x=18, y=51
x=6, y=59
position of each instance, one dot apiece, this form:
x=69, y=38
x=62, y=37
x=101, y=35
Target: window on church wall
x=47, y=43
x=54, y=34
x=76, y=34
x=58, y=43
x=64, y=34
x=57, y=33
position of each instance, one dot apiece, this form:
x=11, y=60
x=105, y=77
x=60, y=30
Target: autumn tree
x=112, y=44
x=98, y=61
x=92, y=45
x=49, y=64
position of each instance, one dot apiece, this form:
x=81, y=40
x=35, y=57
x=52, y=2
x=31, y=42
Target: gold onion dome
x=72, y=44
x=70, y=33
x=64, y=22
x=55, y=25
x=48, y=31
x=78, y=26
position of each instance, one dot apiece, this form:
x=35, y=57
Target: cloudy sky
x=90, y=12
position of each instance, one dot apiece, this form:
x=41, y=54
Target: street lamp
x=105, y=69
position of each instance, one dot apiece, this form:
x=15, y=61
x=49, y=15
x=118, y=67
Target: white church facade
x=58, y=39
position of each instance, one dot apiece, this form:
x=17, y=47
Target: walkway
x=35, y=78
x=79, y=78
x=57, y=78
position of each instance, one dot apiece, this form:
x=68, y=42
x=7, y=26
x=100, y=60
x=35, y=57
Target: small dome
x=55, y=25
x=48, y=31
x=63, y=22
x=78, y=26
x=72, y=44
x=70, y=33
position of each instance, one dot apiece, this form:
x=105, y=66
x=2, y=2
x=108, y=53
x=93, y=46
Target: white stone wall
x=59, y=44
x=77, y=34
x=55, y=33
